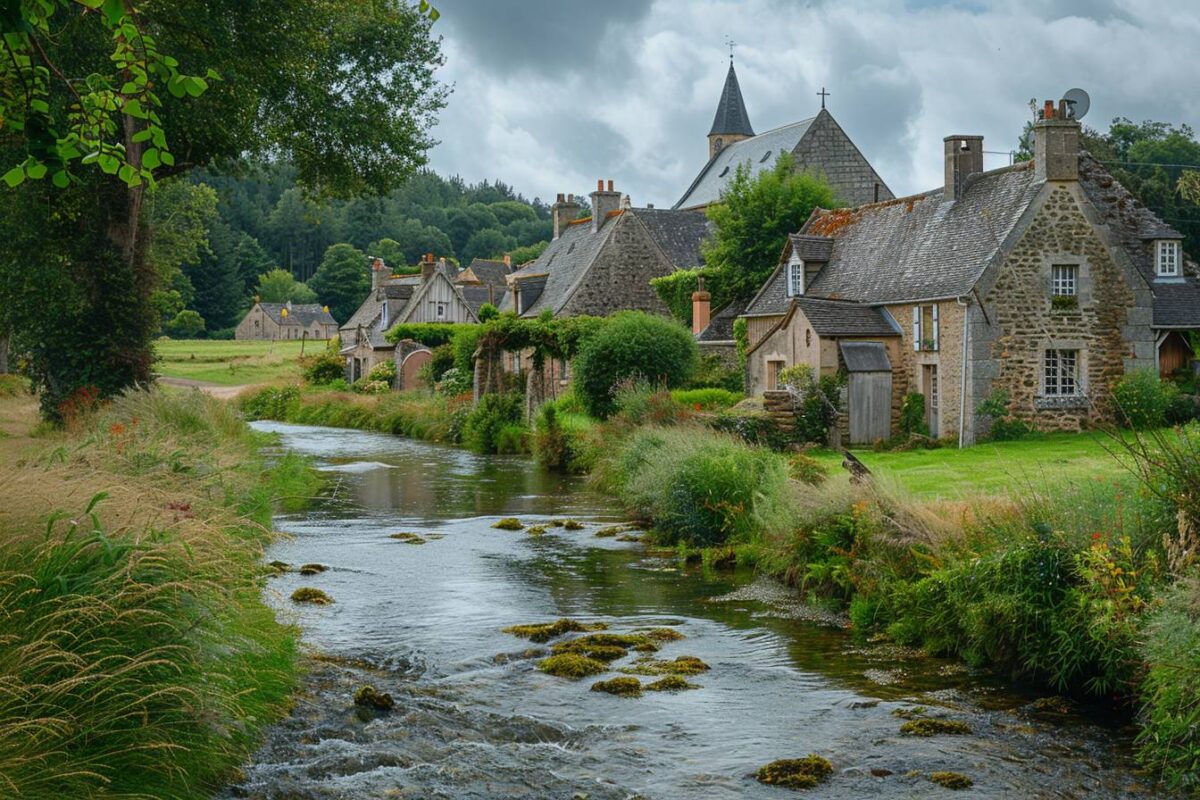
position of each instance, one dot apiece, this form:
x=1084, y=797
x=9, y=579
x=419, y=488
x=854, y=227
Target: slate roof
x=720, y=327
x=731, y=114
x=551, y=279
x=486, y=272
x=865, y=357
x=759, y=152
x=1176, y=301
x=396, y=292
x=475, y=296
x=919, y=247
x=299, y=314
x=839, y=318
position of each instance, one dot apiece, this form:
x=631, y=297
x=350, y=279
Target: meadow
x=229, y=362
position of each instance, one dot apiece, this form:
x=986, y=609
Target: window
x=383, y=315
x=795, y=277
x=926, y=329
x=516, y=362
x=808, y=337
x=517, y=301
x=441, y=311
x=1166, y=259
x=1064, y=280
x=1061, y=373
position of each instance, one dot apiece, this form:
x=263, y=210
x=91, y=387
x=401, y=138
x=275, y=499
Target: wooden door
x=932, y=399
x=870, y=406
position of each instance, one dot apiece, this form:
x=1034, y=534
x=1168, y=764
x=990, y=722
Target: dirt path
x=217, y=390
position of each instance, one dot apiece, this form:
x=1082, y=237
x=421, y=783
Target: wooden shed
x=869, y=393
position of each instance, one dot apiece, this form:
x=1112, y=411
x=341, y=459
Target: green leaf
x=108, y=164
x=194, y=86
x=114, y=10
x=143, y=135
x=133, y=107
x=167, y=158
x=175, y=86
x=61, y=179
x=41, y=106
x=150, y=158
x=434, y=15
x=127, y=173
x=36, y=170
x=213, y=75
x=14, y=177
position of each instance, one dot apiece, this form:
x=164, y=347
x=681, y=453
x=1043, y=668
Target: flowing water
x=474, y=718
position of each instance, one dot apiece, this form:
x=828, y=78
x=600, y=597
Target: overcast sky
x=551, y=95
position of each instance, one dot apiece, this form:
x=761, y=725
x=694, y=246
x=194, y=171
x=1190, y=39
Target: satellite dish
x=1078, y=103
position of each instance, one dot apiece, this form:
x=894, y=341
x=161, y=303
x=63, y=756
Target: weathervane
x=730, y=43
x=823, y=94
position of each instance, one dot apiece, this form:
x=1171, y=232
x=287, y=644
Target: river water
x=474, y=718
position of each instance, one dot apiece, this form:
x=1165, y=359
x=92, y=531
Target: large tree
x=280, y=286
x=752, y=221
x=96, y=107
x=343, y=280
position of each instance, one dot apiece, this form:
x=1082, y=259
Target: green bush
x=453, y=382
x=565, y=438
x=323, y=369
x=912, y=415
x=489, y=424
x=698, y=487
x=755, y=428
x=712, y=372
x=1142, y=399
x=632, y=345
x=713, y=399
x=640, y=403
x=1005, y=427
x=1181, y=409
x=1169, y=742
x=187, y=324
x=818, y=410
x=276, y=403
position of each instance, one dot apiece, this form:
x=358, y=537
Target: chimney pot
x=1048, y=110
x=600, y=184
x=610, y=184
x=701, y=307
x=603, y=202
x=1056, y=146
x=508, y=257
x=562, y=213
x=560, y=197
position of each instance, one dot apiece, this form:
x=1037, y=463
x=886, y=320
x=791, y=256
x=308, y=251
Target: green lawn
x=990, y=468
x=231, y=362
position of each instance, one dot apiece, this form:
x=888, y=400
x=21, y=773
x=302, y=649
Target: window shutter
x=936, y=329
x=916, y=328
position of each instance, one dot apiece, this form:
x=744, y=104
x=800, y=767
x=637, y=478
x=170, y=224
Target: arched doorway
x=407, y=376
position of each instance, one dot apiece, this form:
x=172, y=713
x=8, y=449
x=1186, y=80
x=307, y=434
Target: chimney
x=508, y=260
x=442, y=265
x=701, y=306
x=964, y=157
x=376, y=273
x=427, y=267
x=563, y=211
x=1056, y=144
x=602, y=203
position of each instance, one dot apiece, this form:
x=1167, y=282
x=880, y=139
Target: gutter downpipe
x=962, y=389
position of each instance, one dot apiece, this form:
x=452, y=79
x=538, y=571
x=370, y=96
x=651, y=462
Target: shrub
x=806, y=469
x=698, y=487
x=1181, y=409
x=453, y=382
x=323, y=369
x=912, y=414
x=1142, y=399
x=756, y=428
x=711, y=399
x=187, y=324
x=482, y=430
x=441, y=359
x=632, y=345
x=712, y=372
x=640, y=403
x=818, y=410
x=1006, y=426
x=1170, y=738
x=276, y=403
x=565, y=438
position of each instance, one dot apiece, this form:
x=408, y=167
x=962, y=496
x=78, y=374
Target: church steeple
x=731, y=123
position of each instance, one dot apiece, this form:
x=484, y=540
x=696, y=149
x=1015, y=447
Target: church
x=818, y=145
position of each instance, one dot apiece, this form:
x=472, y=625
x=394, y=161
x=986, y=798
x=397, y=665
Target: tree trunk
x=4, y=340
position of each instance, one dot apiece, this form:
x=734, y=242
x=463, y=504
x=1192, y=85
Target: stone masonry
x=827, y=150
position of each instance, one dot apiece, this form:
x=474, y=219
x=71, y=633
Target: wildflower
x=116, y=429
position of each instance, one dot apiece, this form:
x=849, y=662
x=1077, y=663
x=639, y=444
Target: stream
x=474, y=718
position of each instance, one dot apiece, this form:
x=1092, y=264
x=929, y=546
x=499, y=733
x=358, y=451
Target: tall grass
x=137, y=658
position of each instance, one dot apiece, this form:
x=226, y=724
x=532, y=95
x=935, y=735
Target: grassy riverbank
x=230, y=362
x=138, y=656
x=1065, y=560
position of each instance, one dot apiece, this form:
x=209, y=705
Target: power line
x=1150, y=164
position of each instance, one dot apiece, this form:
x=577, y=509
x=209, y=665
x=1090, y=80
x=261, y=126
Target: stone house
x=286, y=321
x=1045, y=280
x=817, y=144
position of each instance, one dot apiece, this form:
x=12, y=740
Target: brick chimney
x=427, y=267
x=563, y=211
x=701, y=308
x=508, y=260
x=603, y=201
x=1056, y=144
x=377, y=273
x=964, y=157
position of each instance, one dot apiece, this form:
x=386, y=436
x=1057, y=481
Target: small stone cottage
x=1045, y=280
x=286, y=321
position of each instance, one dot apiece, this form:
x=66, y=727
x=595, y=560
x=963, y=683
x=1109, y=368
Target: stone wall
x=908, y=365
x=619, y=278
x=1110, y=327
x=827, y=150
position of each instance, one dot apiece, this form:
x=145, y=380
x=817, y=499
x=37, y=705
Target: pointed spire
x=731, y=115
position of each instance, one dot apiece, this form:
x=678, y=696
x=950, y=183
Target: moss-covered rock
x=664, y=635
x=369, y=697
x=911, y=712
x=545, y=631
x=306, y=594
x=279, y=567
x=629, y=537
x=622, y=687
x=951, y=780
x=571, y=665
x=683, y=665
x=313, y=569
x=536, y=530
x=671, y=683
x=509, y=524
x=572, y=525
x=795, y=773
x=408, y=538
x=934, y=727
x=555, y=523
x=600, y=652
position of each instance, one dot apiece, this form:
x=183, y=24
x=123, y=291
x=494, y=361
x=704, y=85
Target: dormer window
x=1166, y=258
x=795, y=277
x=383, y=320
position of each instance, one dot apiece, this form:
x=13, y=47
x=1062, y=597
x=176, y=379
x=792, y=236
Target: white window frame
x=1060, y=373
x=795, y=277
x=439, y=311
x=918, y=332
x=1167, y=258
x=1064, y=280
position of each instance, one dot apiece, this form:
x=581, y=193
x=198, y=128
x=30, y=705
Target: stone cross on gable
x=823, y=94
